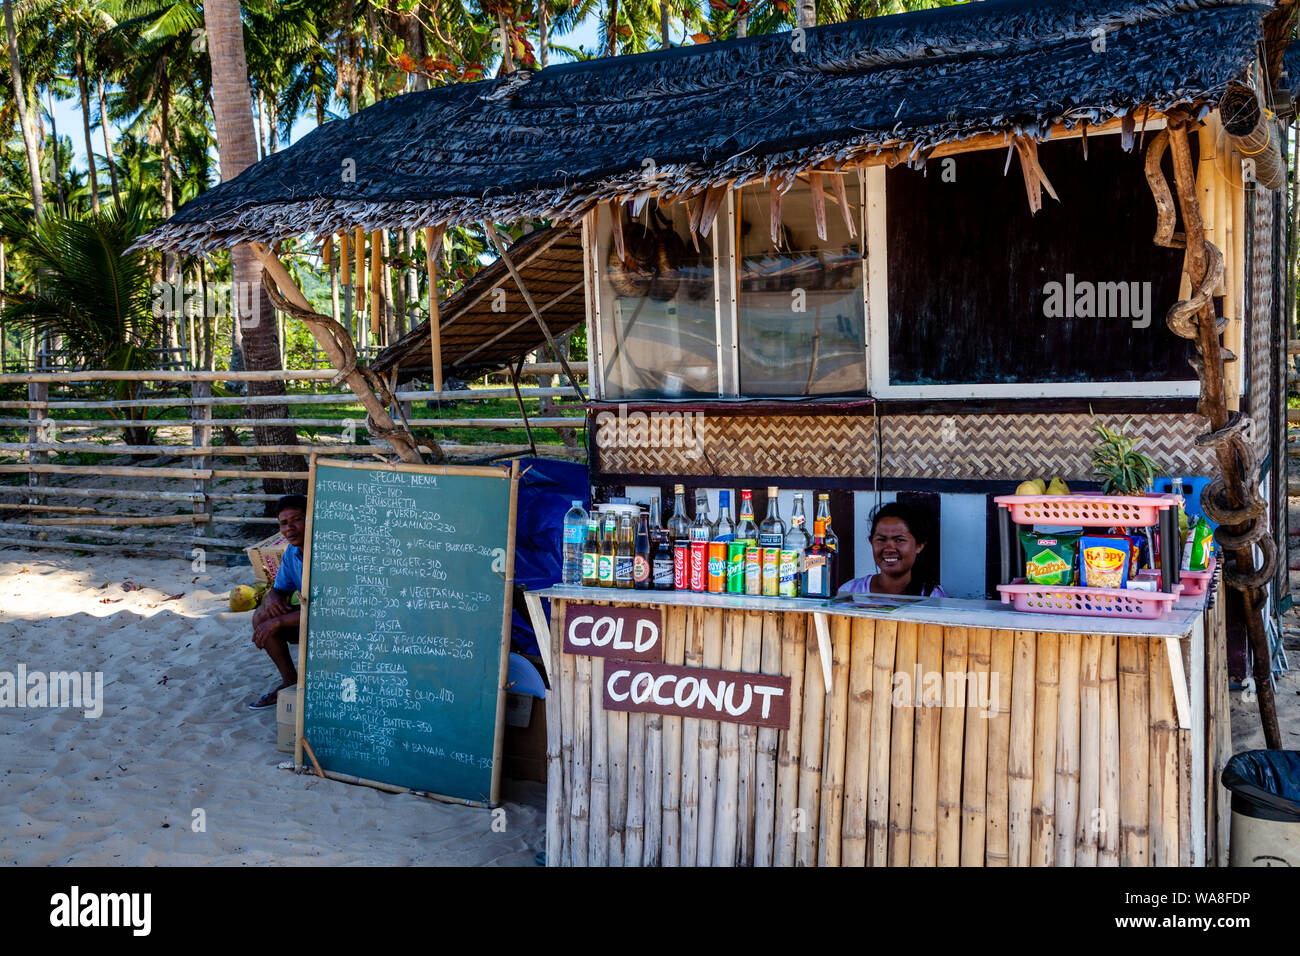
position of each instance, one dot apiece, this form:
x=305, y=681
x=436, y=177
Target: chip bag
x=1049, y=558
x=1104, y=560
x=1198, y=546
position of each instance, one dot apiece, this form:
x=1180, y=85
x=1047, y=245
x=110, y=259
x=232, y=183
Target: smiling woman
x=900, y=539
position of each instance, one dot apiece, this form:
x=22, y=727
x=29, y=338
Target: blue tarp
x=546, y=492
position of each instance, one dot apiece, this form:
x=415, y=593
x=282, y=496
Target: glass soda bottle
x=605, y=562
x=623, y=556
x=591, y=554
x=818, y=564
x=679, y=529
x=661, y=550
x=641, y=555
x=701, y=532
x=575, y=536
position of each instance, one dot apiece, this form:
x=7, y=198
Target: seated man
x=275, y=623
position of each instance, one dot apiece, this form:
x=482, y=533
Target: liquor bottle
x=793, y=548
x=816, y=578
x=701, y=532
x=771, y=535
x=641, y=556
x=679, y=527
x=591, y=554
x=605, y=561
x=661, y=550
x=623, y=556
x=746, y=529
x=830, y=539
x=724, y=529
x=575, y=533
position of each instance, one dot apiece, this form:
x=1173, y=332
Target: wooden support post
x=519, y=400
x=432, y=249
x=38, y=394
x=376, y=303
x=202, y=437
x=824, y=649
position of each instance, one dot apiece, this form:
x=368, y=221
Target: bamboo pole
x=330, y=398
x=555, y=780
x=1046, y=706
x=681, y=624
x=831, y=813
x=751, y=662
x=857, y=732
x=652, y=845
x=634, y=834
x=900, y=753
x=188, y=376
x=927, y=690
x=1162, y=811
x=568, y=674
x=432, y=241
x=690, y=793
x=1066, y=796
x=1134, y=752
x=598, y=851
x=952, y=720
x=793, y=637
x=1020, y=751
x=1089, y=801
x=981, y=705
x=579, y=809
x=709, y=745
x=376, y=287
x=725, y=829
x=810, y=751
x=878, y=754
x=1108, y=755
x=616, y=727
x=766, y=751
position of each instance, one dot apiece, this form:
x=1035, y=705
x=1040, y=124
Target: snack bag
x=1049, y=558
x=1199, y=546
x=1104, y=560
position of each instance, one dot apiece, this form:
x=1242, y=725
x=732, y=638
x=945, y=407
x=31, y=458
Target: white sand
x=176, y=735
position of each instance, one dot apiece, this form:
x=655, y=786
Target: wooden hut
x=913, y=255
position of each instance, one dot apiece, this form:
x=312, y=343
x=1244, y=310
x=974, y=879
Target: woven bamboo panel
x=786, y=445
x=968, y=447
x=1261, y=317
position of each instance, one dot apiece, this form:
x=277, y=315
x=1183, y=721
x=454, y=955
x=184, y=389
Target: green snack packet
x=1049, y=558
x=1199, y=546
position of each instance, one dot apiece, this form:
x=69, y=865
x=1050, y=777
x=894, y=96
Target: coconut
x=243, y=598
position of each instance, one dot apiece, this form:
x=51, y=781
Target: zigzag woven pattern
x=1029, y=446
x=1261, y=320
x=970, y=447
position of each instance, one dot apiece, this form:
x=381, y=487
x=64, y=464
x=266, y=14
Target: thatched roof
x=482, y=331
x=553, y=143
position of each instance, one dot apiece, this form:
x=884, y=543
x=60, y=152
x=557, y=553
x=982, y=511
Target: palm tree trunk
x=807, y=13
x=543, y=37
x=611, y=36
x=24, y=118
x=108, y=144
x=85, y=120
x=664, y=38
x=54, y=149
x=237, y=149
x=171, y=269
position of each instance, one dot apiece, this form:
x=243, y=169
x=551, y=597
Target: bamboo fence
x=61, y=463
x=1038, y=749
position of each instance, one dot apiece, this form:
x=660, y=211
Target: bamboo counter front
x=953, y=733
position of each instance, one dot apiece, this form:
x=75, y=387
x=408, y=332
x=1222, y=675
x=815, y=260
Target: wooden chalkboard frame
x=502, y=473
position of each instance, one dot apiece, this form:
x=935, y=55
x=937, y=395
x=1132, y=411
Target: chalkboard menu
x=409, y=574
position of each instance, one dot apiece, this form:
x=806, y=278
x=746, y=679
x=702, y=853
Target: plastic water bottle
x=575, y=533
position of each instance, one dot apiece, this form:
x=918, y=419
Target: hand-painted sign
x=626, y=633
x=762, y=700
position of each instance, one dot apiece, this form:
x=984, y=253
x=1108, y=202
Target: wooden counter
x=949, y=732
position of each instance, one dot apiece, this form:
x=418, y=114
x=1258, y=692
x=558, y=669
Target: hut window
x=983, y=299
x=658, y=307
x=800, y=323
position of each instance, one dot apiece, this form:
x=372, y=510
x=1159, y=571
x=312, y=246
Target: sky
x=67, y=113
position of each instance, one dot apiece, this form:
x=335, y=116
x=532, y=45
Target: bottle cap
x=724, y=499
x=771, y=491
x=679, y=489
x=577, y=504
x=746, y=493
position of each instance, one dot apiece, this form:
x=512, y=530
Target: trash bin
x=1265, y=786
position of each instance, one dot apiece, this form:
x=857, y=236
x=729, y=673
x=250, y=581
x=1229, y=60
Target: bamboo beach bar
x=918, y=259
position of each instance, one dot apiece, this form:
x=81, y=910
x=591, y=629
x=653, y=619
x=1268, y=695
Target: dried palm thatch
x=761, y=109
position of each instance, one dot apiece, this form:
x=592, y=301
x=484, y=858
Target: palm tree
x=24, y=117
x=93, y=293
x=233, y=112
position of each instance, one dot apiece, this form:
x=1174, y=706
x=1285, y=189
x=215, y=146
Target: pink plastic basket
x=1088, y=510
x=1089, y=602
x=1195, y=582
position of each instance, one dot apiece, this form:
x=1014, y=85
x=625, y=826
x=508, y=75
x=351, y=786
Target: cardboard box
x=525, y=747
x=265, y=557
x=286, y=719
